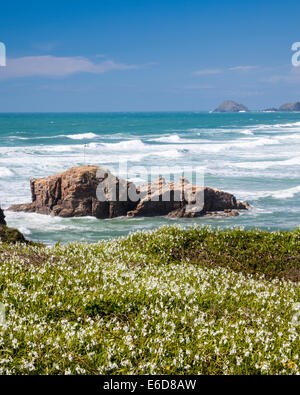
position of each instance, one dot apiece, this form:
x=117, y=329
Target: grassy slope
x=11, y=235
x=168, y=301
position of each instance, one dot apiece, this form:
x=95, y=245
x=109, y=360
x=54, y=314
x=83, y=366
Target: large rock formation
x=231, y=106
x=94, y=191
x=2, y=218
x=290, y=106
x=73, y=193
x=183, y=199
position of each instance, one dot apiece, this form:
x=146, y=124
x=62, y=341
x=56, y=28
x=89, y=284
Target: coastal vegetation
x=11, y=235
x=170, y=301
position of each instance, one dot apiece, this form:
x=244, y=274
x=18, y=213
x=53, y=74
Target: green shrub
x=170, y=301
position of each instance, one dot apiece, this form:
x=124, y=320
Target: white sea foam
x=278, y=194
x=247, y=132
x=176, y=139
x=168, y=139
x=19, y=138
x=81, y=136
x=24, y=230
x=5, y=172
x=127, y=145
x=286, y=193
x=278, y=126
x=267, y=164
x=194, y=130
x=57, y=148
x=170, y=154
x=242, y=144
x=289, y=138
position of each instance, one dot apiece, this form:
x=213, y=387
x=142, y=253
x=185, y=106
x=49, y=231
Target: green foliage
x=11, y=235
x=275, y=254
x=169, y=301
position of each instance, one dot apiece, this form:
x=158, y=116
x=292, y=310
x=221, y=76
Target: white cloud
x=218, y=71
x=208, y=71
x=243, y=68
x=45, y=46
x=196, y=87
x=52, y=66
x=291, y=76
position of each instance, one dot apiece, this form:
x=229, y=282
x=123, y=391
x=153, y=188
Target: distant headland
x=232, y=106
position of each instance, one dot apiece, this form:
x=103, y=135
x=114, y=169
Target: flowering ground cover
x=170, y=301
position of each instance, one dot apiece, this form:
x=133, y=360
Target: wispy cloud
x=290, y=76
x=52, y=66
x=207, y=71
x=198, y=87
x=45, y=46
x=243, y=68
x=218, y=71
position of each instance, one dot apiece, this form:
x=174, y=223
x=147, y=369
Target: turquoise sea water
x=256, y=156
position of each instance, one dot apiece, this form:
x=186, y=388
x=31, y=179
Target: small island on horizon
x=233, y=107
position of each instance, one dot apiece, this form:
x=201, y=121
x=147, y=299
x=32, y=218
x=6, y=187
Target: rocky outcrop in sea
x=290, y=107
x=183, y=199
x=231, y=106
x=72, y=193
x=95, y=191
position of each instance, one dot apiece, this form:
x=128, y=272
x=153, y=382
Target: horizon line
x=142, y=111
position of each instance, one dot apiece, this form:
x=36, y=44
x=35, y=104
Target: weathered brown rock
x=94, y=191
x=2, y=217
x=182, y=199
x=73, y=194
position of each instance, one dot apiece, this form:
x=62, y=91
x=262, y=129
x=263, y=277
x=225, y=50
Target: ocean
x=255, y=156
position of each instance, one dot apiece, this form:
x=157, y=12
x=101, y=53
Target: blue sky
x=147, y=55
